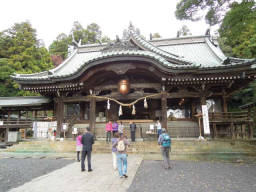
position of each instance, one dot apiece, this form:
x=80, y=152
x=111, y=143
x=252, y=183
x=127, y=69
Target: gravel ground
x=15, y=172
x=187, y=176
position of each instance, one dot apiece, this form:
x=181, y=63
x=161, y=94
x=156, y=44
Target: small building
x=133, y=79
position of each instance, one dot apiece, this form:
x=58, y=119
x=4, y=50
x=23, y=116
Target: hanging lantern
x=108, y=105
x=120, y=110
x=124, y=86
x=145, y=103
x=133, y=110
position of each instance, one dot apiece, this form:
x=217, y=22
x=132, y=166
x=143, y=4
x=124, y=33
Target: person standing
x=79, y=145
x=159, y=128
x=87, y=141
x=108, y=131
x=165, y=141
x=121, y=128
x=133, y=131
x=114, y=150
x=114, y=127
x=121, y=146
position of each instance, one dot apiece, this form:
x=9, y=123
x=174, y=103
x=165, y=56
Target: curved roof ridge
x=216, y=50
x=161, y=60
x=179, y=38
x=153, y=48
x=64, y=62
x=40, y=74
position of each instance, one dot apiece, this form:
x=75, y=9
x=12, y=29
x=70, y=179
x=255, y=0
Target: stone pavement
x=70, y=177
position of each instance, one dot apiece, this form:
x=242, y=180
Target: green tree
x=60, y=45
x=184, y=31
x=91, y=34
x=20, y=52
x=238, y=29
x=194, y=10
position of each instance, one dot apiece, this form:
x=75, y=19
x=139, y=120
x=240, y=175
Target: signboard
x=64, y=127
x=205, y=119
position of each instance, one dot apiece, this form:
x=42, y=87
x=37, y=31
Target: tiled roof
x=22, y=101
x=183, y=53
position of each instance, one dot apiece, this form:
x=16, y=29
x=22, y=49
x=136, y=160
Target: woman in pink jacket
x=79, y=145
x=108, y=131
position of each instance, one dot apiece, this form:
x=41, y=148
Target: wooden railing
x=232, y=124
x=227, y=117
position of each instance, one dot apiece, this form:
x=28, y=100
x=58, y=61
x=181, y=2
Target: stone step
x=136, y=147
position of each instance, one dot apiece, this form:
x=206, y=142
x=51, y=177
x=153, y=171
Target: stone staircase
x=140, y=147
x=179, y=129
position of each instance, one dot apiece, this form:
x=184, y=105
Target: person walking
x=159, y=128
x=108, y=131
x=121, y=128
x=79, y=145
x=87, y=141
x=165, y=141
x=121, y=145
x=133, y=130
x=114, y=127
x=114, y=150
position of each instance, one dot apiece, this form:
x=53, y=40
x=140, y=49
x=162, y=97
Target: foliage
x=238, y=39
x=92, y=34
x=194, y=10
x=20, y=52
x=238, y=29
x=184, y=31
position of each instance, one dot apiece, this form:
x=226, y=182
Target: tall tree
x=20, y=52
x=238, y=29
x=184, y=31
x=194, y=10
x=91, y=34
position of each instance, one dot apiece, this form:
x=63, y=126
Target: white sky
x=52, y=17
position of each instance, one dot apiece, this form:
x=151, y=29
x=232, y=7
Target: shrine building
x=133, y=79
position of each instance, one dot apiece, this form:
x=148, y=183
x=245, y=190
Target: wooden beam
x=60, y=114
x=92, y=114
x=164, y=110
x=224, y=106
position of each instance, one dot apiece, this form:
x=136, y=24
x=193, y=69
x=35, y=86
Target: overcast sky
x=52, y=17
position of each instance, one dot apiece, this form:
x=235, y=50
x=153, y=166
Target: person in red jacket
x=108, y=131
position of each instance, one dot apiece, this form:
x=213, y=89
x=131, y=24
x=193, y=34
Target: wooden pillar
x=164, y=110
x=59, y=114
x=243, y=130
x=7, y=129
x=250, y=124
x=26, y=115
x=224, y=104
x=214, y=130
x=232, y=130
x=92, y=114
x=19, y=116
x=82, y=110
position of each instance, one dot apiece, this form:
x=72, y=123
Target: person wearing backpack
x=121, y=146
x=165, y=141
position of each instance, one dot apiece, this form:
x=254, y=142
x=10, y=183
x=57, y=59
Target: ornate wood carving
x=120, y=69
x=120, y=45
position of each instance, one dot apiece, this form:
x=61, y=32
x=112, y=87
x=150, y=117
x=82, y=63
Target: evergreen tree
x=92, y=34
x=20, y=52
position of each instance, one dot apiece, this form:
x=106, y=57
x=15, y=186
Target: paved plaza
x=191, y=176
x=71, y=179
x=64, y=175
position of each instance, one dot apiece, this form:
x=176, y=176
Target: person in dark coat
x=87, y=141
x=133, y=130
